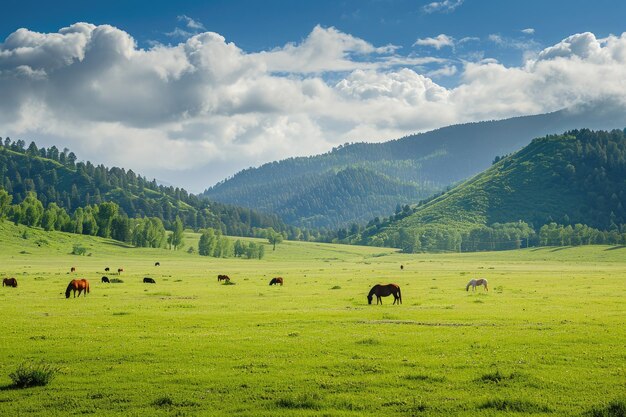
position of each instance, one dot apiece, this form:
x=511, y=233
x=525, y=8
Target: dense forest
x=56, y=177
x=309, y=191
x=560, y=189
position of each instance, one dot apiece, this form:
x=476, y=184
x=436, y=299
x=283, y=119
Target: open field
x=549, y=338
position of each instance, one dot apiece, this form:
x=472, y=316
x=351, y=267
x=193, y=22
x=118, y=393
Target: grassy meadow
x=549, y=338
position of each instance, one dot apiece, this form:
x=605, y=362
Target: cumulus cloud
x=438, y=42
x=445, y=6
x=196, y=112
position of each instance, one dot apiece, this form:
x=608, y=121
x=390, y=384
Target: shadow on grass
x=616, y=247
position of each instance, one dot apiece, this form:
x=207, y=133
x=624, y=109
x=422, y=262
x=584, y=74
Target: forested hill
x=575, y=178
x=56, y=177
x=417, y=166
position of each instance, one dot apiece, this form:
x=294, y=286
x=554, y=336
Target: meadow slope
x=547, y=339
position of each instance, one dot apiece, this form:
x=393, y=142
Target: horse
x=106, y=279
x=9, y=282
x=79, y=285
x=223, y=278
x=73, y=269
x=107, y=269
x=120, y=270
x=380, y=290
x=157, y=264
x=401, y=267
x=276, y=281
x=148, y=280
x=477, y=282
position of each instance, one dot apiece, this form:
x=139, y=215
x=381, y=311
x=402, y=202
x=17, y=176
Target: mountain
x=57, y=178
x=575, y=178
x=408, y=169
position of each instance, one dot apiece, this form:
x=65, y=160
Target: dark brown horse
x=276, y=281
x=9, y=282
x=380, y=290
x=223, y=278
x=107, y=269
x=106, y=279
x=157, y=264
x=120, y=270
x=148, y=280
x=79, y=285
x=73, y=269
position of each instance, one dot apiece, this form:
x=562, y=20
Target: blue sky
x=190, y=92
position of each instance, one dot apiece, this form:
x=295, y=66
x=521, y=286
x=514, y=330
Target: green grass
x=548, y=339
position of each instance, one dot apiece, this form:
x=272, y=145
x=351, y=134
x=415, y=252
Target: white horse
x=477, y=282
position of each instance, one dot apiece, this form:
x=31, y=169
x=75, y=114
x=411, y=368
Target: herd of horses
x=379, y=290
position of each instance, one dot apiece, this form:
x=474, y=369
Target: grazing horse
x=380, y=290
x=9, y=282
x=477, y=282
x=107, y=269
x=73, y=269
x=79, y=285
x=276, y=281
x=157, y=264
x=223, y=278
x=120, y=270
x=401, y=267
x=148, y=280
x=106, y=279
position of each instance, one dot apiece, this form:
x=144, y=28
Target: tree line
x=56, y=176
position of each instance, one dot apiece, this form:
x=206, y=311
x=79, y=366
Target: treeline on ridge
x=565, y=189
x=56, y=177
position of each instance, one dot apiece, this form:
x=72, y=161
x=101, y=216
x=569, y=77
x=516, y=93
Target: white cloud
x=438, y=42
x=524, y=44
x=192, y=27
x=196, y=112
x=528, y=31
x=445, y=6
x=191, y=23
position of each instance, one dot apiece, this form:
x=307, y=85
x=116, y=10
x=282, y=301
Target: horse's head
x=369, y=299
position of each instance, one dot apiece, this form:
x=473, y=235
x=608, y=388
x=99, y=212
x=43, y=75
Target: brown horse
x=276, y=281
x=157, y=264
x=79, y=285
x=73, y=269
x=107, y=269
x=223, y=278
x=9, y=282
x=120, y=270
x=380, y=290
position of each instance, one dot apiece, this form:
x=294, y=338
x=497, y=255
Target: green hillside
x=416, y=166
x=56, y=177
x=570, y=179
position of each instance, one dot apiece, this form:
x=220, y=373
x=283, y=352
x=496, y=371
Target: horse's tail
x=486, y=287
x=87, y=285
x=399, y=295
x=68, y=290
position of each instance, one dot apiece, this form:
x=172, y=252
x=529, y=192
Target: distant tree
x=31, y=210
x=5, y=203
x=121, y=229
x=274, y=238
x=105, y=214
x=240, y=248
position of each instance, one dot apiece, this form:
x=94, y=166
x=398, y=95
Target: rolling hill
x=57, y=178
x=575, y=178
x=310, y=191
